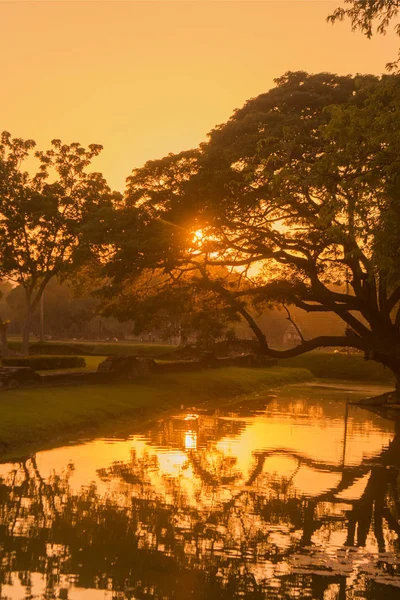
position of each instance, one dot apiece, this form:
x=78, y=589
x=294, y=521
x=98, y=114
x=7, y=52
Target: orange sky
x=148, y=78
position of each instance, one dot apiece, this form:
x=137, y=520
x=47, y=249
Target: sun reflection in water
x=264, y=495
x=190, y=440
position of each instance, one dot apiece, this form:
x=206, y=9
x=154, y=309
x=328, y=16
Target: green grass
x=92, y=362
x=32, y=417
x=340, y=366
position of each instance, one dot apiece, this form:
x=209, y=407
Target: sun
x=198, y=236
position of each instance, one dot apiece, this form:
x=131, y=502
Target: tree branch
x=393, y=299
x=289, y=318
x=323, y=341
x=224, y=293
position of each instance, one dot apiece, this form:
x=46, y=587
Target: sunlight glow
x=190, y=440
x=198, y=236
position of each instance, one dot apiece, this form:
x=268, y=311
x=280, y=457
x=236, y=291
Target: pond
x=294, y=494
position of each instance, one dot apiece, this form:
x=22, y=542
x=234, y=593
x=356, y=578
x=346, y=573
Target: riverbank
x=31, y=418
x=352, y=367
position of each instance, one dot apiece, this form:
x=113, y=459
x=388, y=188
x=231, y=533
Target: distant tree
x=182, y=308
x=51, y=222
x=67, y=312
x=299, y=193
x=5, y=289
x=365, y=15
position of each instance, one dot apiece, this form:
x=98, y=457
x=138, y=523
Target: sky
x=148, y=78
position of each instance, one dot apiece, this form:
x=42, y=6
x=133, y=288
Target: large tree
x=299, y=192
x=51, y=221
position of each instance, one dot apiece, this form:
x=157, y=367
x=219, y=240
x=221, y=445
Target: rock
x=14, y=377
x=127, y=367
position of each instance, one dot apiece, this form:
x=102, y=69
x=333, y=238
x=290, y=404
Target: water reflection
x=291, y=499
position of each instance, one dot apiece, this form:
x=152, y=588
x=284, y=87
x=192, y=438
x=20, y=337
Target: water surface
x=292, y=495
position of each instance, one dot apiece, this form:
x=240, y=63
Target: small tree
x=51, y=222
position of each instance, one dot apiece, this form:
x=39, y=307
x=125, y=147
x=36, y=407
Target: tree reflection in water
x=252, y=537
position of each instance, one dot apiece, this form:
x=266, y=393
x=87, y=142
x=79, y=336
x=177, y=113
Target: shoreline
x=36, y=417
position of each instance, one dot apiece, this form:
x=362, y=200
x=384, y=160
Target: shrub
x=45, y=349
x=44, y=363
x=94, y=348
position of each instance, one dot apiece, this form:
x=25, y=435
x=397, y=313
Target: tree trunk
x=394, y=365
x=3, y=336
x=392, y=362
x=397, y=380
x=41, y=305
x=26, y=332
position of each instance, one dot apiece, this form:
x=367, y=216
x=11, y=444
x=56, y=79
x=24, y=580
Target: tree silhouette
x=298, y=193
x=136, y=537
x=51, y=222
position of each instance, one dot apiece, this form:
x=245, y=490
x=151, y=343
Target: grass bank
x=340, y=366
x=32, y=417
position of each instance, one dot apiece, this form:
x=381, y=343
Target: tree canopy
x=298, y=194
x=51, y=222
